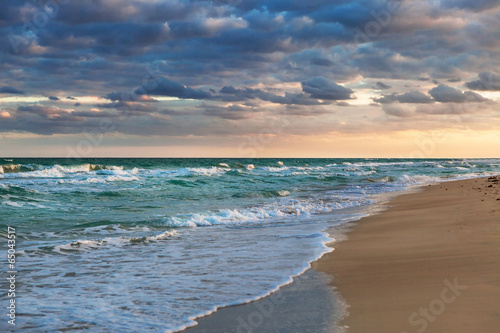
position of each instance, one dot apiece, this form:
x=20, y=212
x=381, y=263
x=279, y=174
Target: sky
x=250, y=78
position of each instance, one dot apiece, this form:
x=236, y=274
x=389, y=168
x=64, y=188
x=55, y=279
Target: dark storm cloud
x=323, y=88
x=11, y=90
x=321, y=62
x=166, y=87
x=54, y=98
x=486, y=81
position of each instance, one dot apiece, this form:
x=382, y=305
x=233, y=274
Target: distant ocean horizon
x=148, y=244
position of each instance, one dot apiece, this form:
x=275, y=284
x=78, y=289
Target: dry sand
x=430, y=263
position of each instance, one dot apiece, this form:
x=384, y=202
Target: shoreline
x=362, y=302
x=217, y=321
x=427, y=263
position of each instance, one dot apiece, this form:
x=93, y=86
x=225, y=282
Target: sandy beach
x=429, y=263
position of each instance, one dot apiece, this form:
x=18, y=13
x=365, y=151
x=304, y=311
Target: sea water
x=137, y=245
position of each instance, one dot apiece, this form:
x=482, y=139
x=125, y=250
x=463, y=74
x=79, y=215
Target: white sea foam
x=275, y=169
x=162, y=236
x=268, y=212
x=185, y=172
x=12, y=203
x=55, y=171
x=86, y=245
x=283, y=193
x=378, y=164
x=121, y=178
x=417, y=179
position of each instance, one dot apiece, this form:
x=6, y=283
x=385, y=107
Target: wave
x=386, y=179
x=15, y=168
x=412, y=180
x=104, y=180
x=21, y=204
x=55, y=170
x=267, y=212
x=406, y=180
x=186, y=172
x=86, y=245
x=274, y=194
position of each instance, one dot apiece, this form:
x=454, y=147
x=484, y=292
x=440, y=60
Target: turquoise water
x=150, y=244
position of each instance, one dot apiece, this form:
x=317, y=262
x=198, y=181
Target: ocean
x=128, y=245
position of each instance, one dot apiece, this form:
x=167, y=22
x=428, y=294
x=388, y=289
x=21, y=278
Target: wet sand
x=429, y=263
x=307, y=305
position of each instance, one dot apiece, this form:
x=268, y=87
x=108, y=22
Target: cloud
x=5, y=114
x=231, y=94
x=128, y=97
x=95, y=113
x=423, y=111
x=323, y=88
x=11, y=90
x=414, y=97
x=471, y=96
x=48, y=112
x=446, y=94
x=265, y=54
x=475, y=5
x=409, y=97
x=453, y=109
x=441, y=93
x=233, y=111
x=166, y=87
x=398, y=110
x=382, y=86
x=343, y=104
x=53, y=98
x=486, y=81
x=321, y=62
x=129, y=106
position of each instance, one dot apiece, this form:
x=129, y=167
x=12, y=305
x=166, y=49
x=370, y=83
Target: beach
x=429, y=263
